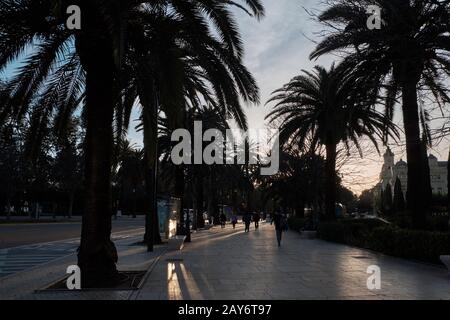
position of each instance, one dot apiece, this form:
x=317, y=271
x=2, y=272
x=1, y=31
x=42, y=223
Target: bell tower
x=387, y=172
x=388, y=158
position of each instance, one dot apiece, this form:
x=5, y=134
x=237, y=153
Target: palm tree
x=197, y=175
x=399, y=200
x=327, y=108
x=173, y=71
x=408, y=53
x=298, y=171
x=67, y=167
x=130, y=173
x=94, y=57
x=41, y=25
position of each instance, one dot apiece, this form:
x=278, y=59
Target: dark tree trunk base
x=331, y=183
x=98, y=270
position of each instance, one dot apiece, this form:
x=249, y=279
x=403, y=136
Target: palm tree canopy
x=328, y=107
x=200, y=34
x=412, y=44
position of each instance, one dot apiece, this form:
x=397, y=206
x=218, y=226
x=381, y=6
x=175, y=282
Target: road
x=13, y=235
x=24, y=246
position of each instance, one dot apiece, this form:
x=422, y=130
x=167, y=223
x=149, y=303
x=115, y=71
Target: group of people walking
x=278, y=219
x=248, y=218
x=223, y=220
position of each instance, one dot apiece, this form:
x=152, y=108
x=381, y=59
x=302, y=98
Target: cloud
x=277, y=48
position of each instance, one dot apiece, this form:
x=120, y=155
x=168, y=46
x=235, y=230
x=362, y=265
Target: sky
x=277, y=48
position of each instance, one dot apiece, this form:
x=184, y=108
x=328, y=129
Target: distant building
x=390, y=171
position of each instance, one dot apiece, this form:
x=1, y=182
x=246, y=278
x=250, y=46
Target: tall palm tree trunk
x=152, y=235
x=71, y=201
x=212, y=196
x=427, y=191
x=8, y=206
x=150, y=207
x=97, y=256
x=150, y=101
x=300, y=209
x=179, y=193
x=416, y=189
x=448, y=183
x=199, y=199
x=331, y=181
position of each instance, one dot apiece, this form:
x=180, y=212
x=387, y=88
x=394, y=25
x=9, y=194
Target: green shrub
x=433, y=223
x=402, y=219
x=332, y=231
x=437, y=223
x=351, y=231
x=296, y=223
x=411, y=244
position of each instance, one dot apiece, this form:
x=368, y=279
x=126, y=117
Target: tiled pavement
x=228, y=264
x=21, y=258
x=22, y=285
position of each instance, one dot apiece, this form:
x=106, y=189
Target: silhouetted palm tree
x=409, y=52
x=399, y=200
x=174, y=70
x=327, y=108
x=130, y=174
x=97, y=53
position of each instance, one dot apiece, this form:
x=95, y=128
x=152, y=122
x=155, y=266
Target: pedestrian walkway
x=231, y=264
x=20, y=258
x=22, y=284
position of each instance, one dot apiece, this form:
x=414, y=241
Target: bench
x=446, y=260
x=176, y=243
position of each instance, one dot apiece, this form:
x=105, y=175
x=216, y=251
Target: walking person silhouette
x=247, y=220
x=280, y=225
x=234, y=220
x=223, y=220
x=256, y=218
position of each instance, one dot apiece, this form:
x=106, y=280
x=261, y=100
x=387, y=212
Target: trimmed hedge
x=348, y=231
x=391, y=240
x=411, y=244
x=435, y=223
x=296, y=223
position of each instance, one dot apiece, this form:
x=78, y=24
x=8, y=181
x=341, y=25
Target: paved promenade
x=227, y=264
x=231, y=264
x=23, y=284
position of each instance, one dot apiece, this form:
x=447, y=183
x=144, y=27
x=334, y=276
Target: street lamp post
x=151, y=215
x=188, y=226
x=134, y=202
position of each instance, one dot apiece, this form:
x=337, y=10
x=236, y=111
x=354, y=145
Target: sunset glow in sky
x=277, y=48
